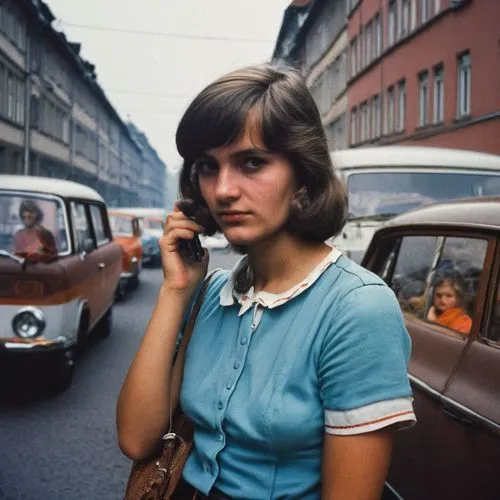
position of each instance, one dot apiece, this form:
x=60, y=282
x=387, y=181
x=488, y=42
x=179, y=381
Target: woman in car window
x=448, y=305
x=34, y=240
x=295, y=377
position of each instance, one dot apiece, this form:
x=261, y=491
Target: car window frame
x=85, y=203
x=375, y=261
x=104, y=218
x=492, y=294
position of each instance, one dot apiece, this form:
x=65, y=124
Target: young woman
x=295, y=376
x=447, y=309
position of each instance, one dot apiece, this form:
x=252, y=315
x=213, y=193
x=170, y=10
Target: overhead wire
x=164, y=33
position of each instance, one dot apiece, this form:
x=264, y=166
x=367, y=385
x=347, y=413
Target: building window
x=438, y=94
x=437, y=6
x=365, y=122
x=400, y=126
x=423, y=95
x=464, y=85
x=391, y=23
x=10, y=96
x=405, y=17
x=354, y=55
x=378, y=35
x=390, y=108
x=369, y=43
x=353, y=126
x=413, y=14
x=424, y=11
x=376, y=116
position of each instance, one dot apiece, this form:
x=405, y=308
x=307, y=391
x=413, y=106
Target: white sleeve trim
x=371, y=417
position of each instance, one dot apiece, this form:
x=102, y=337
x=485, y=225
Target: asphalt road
x=63, y=447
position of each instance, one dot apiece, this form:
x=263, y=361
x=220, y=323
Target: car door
x=109, y=253
x=472, y=403
x=413, y=265
x=89, y=272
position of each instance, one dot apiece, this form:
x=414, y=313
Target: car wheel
x=135, y=282
x=83, y=330
x=121, y=291
x=105, y=325
x=63, y=372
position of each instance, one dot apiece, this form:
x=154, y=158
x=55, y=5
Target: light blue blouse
x=267, y=375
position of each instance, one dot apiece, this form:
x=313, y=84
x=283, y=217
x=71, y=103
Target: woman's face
x=445, y=298
x=247, y=188
x=29, y=218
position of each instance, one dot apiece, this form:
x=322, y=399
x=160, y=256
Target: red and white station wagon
x=59, y=269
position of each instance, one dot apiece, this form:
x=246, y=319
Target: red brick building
x=425, y=72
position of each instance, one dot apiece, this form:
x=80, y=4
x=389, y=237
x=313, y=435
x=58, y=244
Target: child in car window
x=447, y=309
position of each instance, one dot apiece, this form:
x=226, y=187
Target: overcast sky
x=152, y=79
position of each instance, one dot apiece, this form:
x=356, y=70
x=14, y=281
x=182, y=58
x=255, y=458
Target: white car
x=216, y=242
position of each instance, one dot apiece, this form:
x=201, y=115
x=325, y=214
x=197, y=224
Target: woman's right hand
x=180, y=274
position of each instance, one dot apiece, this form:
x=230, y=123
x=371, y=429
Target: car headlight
x=28, y=323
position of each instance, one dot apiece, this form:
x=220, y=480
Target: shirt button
x=236, y=365
x=243, y=341
x=228, y=386
x=221, y=405
x=206, y=467
x=220, y=438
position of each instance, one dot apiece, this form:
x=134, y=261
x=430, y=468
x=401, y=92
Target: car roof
x=142, y=211
x=48, y=185
x=467, y=212
x=413, y=156
x=122, y=214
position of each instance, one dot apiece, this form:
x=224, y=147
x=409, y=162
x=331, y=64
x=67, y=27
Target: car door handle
x=101, y=265
x=457, y=415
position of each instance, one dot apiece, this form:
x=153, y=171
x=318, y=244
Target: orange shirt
x=456, y=319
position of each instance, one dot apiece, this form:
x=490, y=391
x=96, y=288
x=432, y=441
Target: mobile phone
x=192, y=249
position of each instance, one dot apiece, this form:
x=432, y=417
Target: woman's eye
x=206, y=167
x=253, y=163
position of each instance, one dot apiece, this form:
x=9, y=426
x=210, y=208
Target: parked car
x=127, y=233
x=150, y=250
x=443, y=263
x=152, y=221
x=59, y=269
x=386, y=181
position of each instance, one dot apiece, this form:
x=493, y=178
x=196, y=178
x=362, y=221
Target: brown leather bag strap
x=188, y=330
x=181, y=353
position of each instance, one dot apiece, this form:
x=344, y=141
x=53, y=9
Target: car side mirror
x=89, y=245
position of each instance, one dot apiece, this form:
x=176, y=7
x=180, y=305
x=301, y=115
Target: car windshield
x=121, y=225
x=32, y=226
x=392, y=193
x=153, y=224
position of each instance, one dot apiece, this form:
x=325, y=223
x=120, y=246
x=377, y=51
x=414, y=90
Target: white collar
x=228, y=294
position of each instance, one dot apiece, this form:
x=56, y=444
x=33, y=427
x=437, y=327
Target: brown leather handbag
x=156, y=478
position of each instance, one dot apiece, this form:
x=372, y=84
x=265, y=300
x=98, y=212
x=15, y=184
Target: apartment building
x=313, y=38
x=55, y=119
x=154, y=172
x=424, y=72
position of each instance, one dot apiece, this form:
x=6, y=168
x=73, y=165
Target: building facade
x=313, y=38
x=154, y=172
x=55, y=119
x=402, y=72
x=425, y=72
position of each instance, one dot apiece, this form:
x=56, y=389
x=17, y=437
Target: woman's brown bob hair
x=290, y=125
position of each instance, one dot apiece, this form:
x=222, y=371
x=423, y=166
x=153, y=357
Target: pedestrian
x=296, y=374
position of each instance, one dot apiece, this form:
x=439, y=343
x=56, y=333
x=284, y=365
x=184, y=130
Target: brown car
x=443, y=263
x=59, y=270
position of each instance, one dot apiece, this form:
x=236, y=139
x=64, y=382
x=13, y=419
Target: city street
x=63, y=447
